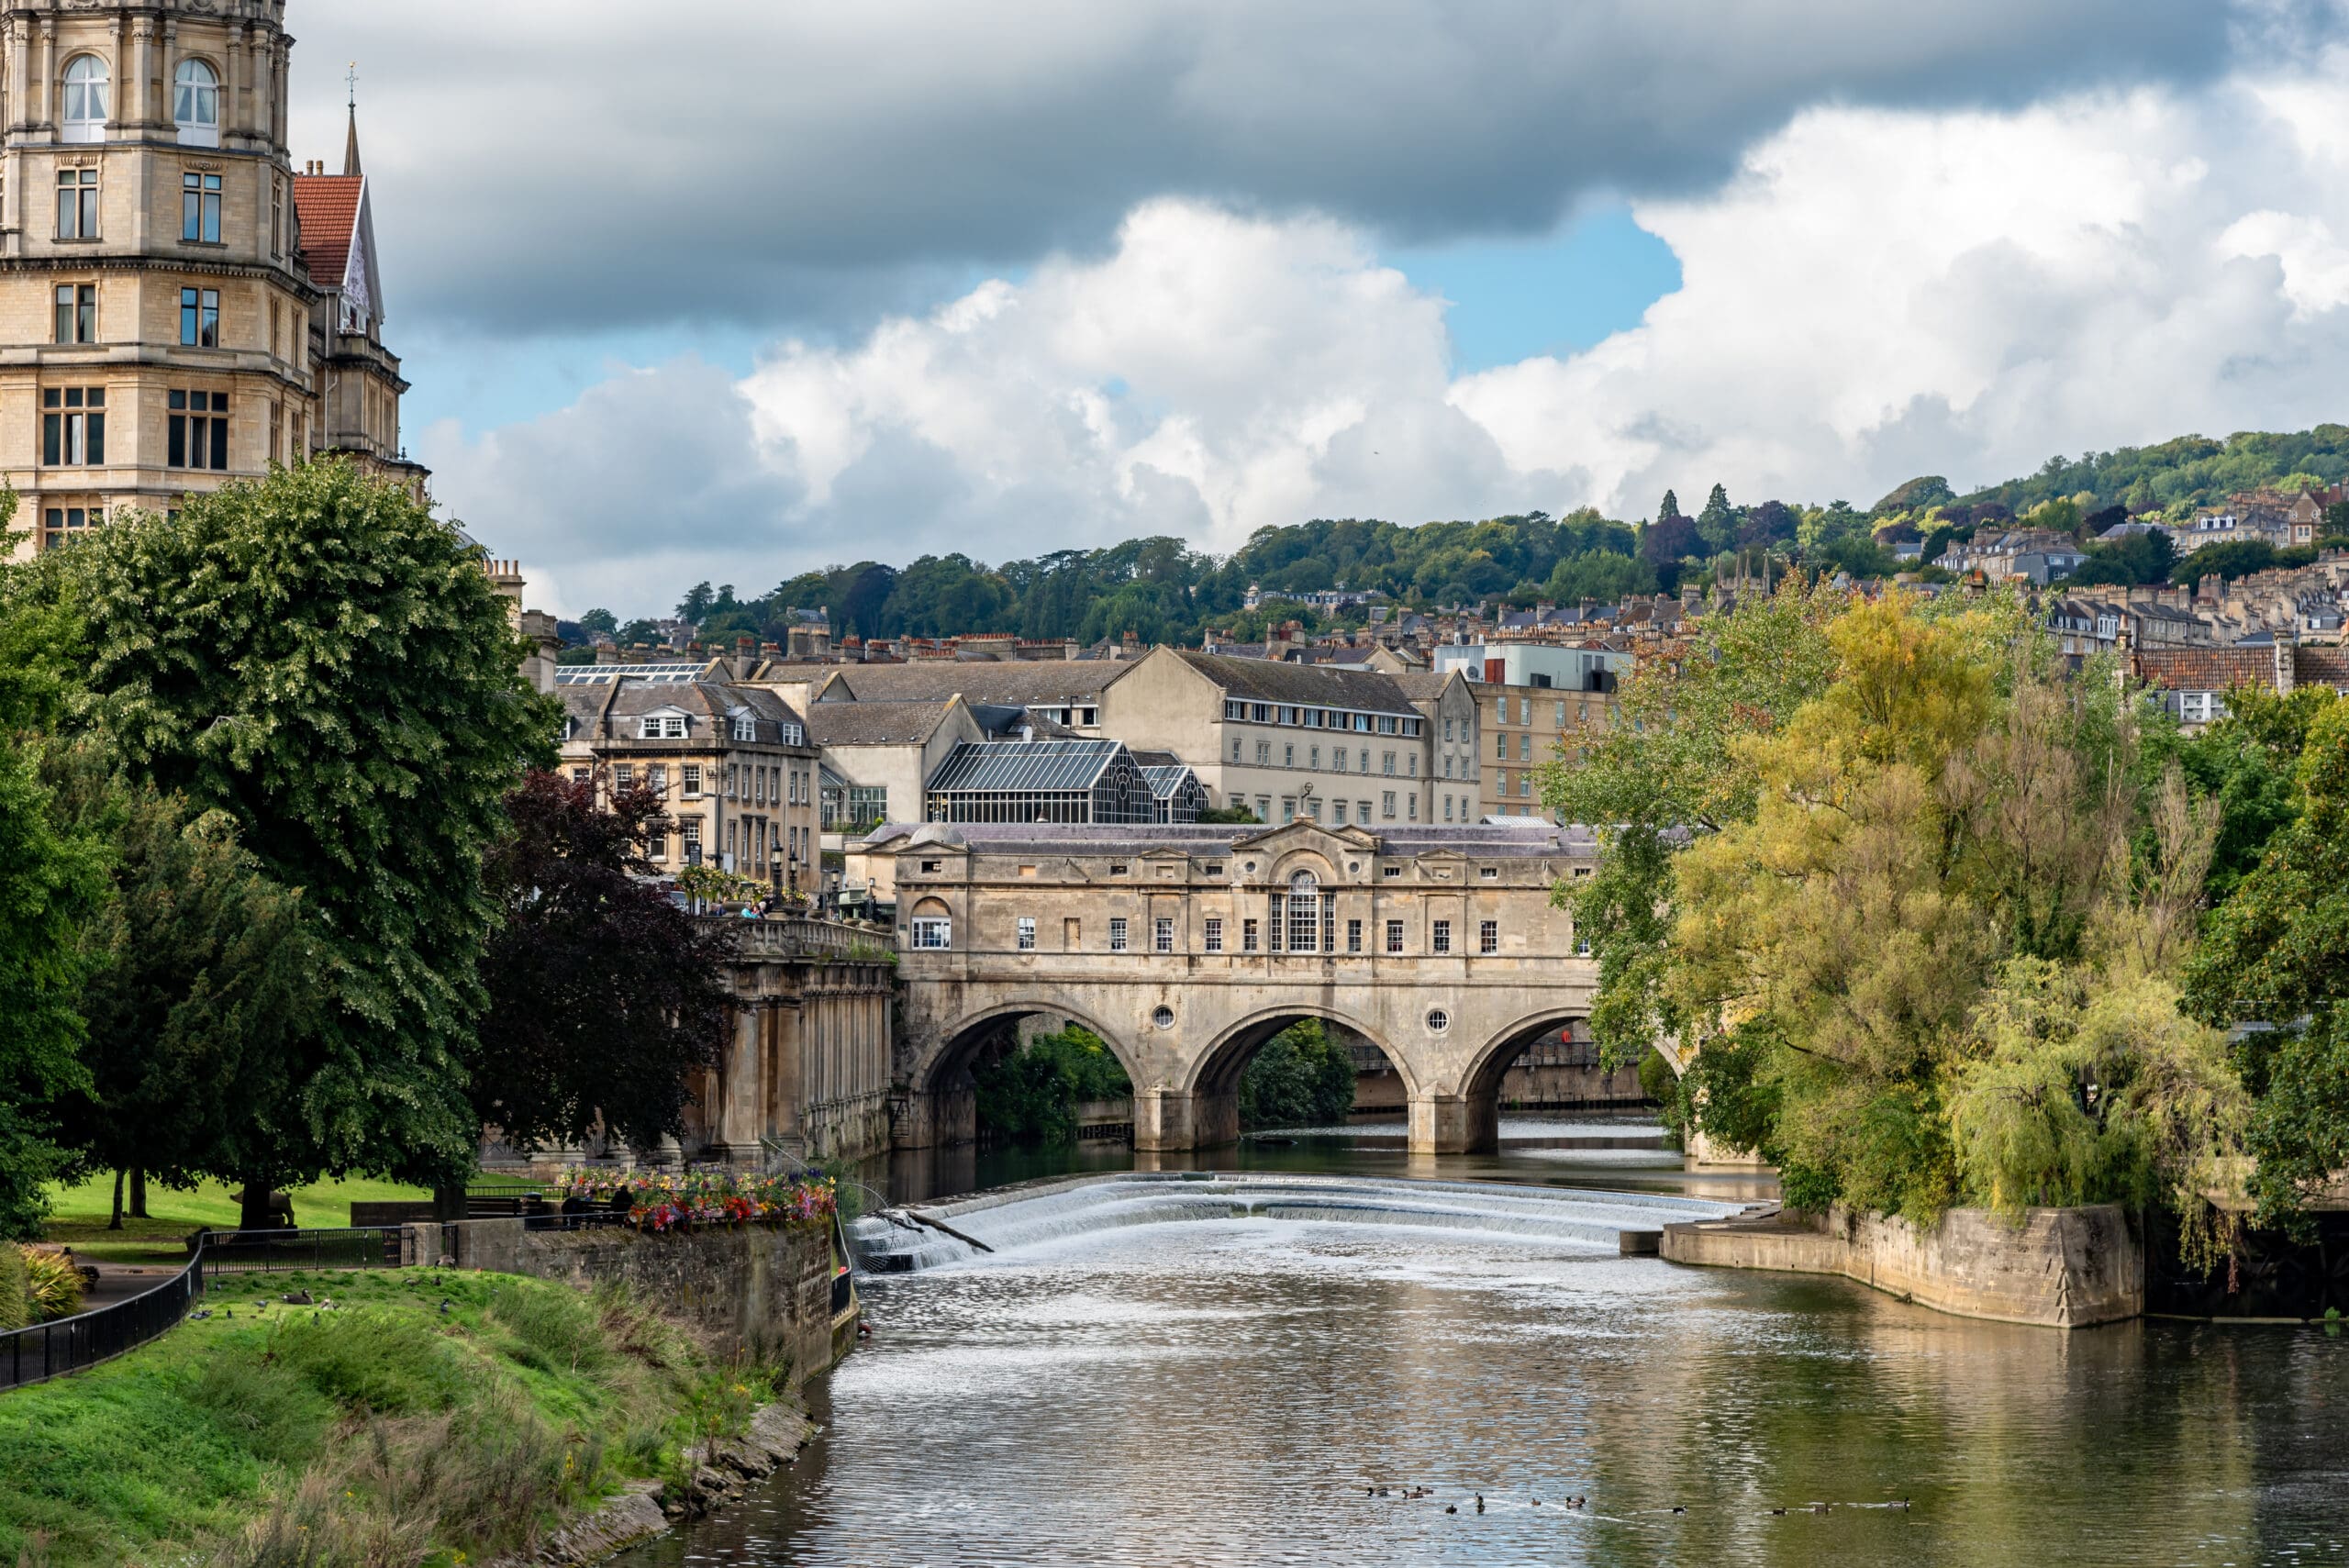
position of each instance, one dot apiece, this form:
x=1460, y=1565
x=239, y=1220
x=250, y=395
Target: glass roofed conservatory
x=1039, y=780
x=1177, y=794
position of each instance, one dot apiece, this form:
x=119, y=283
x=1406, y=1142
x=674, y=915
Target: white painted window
x=1117, y=933
x=1488, y=936
x=195, y=104
x=1215, y=933
x=933, y=931
x=1393, y=936
x=1443, y=937
x=1161, y=937
x=87, y=93
x=1027, y=933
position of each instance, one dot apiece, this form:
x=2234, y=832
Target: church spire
x=350, y=141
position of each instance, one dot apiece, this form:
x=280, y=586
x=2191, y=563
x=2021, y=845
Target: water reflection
x=1226, y=1393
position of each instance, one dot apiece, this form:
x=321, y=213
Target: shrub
x=53, y=1285
x=15, y=1305
x=1301, y=1078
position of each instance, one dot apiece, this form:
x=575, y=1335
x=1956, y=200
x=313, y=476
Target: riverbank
x=2061, y=1268
x=425, y=1416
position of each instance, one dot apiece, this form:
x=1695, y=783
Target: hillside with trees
x=1162, y=589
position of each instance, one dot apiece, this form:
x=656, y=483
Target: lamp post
x=774, y=868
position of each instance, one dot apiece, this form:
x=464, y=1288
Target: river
x=1104, y=1388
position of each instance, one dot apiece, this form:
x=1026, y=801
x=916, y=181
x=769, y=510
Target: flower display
x=667, y=1200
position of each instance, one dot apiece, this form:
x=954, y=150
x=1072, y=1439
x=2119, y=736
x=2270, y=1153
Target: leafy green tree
x=695, y=605
x=639, y=631
x=1717, y=524
x=2131, y=560
x=1602, y=575
x=599, y=621
x=317, y=657
x=2236, y=558
x=1302, y=1077
x=2276, y=956
x=1030, y=1095
x=52, y=883
x=203, y=975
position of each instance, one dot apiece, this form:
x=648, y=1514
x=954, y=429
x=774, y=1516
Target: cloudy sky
x=804, y=285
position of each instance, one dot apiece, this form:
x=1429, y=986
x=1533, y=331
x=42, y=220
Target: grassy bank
x=391, y=1429
x=80, y=1211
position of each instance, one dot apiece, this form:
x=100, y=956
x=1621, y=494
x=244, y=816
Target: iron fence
x=244, y=1251
x=51, y=1350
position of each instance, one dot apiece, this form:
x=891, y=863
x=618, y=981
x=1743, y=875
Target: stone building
x=1534, y=702
x=1187, y=948
x=181, y=307
x=733, y=762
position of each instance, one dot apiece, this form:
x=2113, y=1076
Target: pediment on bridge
x=1278, y=847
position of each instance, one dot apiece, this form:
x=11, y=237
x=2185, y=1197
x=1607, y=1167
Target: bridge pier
x=1171, y=1120
x=1455, y=1124
x=934, y=1119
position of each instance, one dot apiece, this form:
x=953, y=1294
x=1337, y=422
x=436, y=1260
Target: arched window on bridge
x=1304, y=918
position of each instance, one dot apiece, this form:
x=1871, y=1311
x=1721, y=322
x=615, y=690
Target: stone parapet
x=2064, y=1268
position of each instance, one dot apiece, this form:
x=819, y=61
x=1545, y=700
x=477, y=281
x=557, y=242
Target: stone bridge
x=1185, y=949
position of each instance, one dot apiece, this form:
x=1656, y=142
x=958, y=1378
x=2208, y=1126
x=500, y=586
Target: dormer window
x=661, y=727
x=195, y=105
x=746, y=728
x=86, y=96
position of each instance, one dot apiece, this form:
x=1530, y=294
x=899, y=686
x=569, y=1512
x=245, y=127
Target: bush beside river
x=425, y=1417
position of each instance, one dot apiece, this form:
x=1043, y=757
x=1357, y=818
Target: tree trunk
x=254, y=1214
x=139, y=1192
x=115, y=1223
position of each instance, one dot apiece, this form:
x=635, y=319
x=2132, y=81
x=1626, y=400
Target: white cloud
x=1874, y=294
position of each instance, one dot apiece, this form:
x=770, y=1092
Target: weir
x=935, y=1234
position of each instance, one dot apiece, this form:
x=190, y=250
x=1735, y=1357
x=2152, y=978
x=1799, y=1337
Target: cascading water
x=930, y=1235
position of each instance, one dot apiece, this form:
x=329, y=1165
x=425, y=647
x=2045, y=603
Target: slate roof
x=327, y=206
x=1305, y=686
x=1020, y=683
x=1525, y=837
x=1033, y=766
x=610, y=703
x=873, y=723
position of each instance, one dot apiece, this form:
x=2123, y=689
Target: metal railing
x=71, y=1344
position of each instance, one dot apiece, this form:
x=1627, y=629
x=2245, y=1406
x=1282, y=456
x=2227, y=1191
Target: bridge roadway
x=1187, y=948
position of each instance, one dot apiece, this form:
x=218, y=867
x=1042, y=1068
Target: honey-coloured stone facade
x=179, y=306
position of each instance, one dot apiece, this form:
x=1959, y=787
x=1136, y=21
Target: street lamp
x=774, y=869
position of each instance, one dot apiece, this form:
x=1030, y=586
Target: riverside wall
x=2065, y=1268
x=757, y=1290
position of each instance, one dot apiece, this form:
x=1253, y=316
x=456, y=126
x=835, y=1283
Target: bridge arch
x=938, y=1098
x=1480, y=1086
x=1212, y=1083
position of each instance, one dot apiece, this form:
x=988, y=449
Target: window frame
x=920, y=930
x=1024, y=933
x=1214, y=933
x=1394, y=937
x=195, y=128
x=1118, y=930
x=201, y=196
x=93, y=94
x=1488, y=937
x=78, y=209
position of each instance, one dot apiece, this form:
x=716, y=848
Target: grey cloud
x=552, y=165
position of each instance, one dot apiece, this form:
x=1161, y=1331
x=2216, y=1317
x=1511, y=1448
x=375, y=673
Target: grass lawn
x=80, y=1212
x=454, y=1412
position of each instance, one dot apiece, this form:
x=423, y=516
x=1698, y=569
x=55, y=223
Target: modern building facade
x=179, y=306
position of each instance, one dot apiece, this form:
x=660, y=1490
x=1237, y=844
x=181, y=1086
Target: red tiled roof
x=2323, y=667
x=327, y=206
x=2207, y=669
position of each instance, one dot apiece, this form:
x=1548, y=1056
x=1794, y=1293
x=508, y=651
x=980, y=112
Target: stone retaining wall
x=765, y=1291
x=2065, y=1268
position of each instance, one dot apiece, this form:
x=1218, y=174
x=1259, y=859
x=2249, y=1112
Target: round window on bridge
x=1164, y=1018
x=1438, y=1021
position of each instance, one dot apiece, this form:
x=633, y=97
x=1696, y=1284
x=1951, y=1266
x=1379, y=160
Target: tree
x=640, y=631
x=2276, y=956
x=1302, y=1077
x=51, y=884
x=2236, y=558
x=599, y=621
x=202, y=977
x=1667, y=509
x=321, y=659
x=695, y=605
x=2142, y=558
x=1602, y=576
x=603, y=997
x=1717, y=524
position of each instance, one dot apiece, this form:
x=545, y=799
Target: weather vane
x=353, y=80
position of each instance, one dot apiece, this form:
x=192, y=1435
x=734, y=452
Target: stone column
x=738, y=1124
